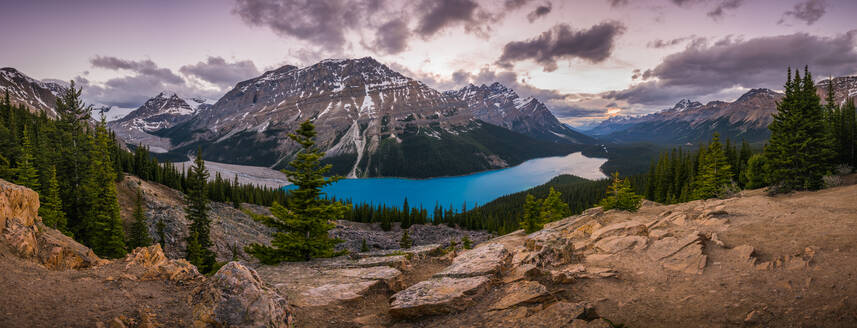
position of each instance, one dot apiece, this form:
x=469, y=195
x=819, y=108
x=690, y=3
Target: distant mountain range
x=374, y=121
x=370, y=119
x=690, y=122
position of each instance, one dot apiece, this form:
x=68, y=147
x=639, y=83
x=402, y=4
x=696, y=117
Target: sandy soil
x=32, y=296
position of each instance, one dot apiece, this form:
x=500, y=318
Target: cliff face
x=23, y=231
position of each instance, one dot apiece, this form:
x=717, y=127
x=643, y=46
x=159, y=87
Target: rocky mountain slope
x=501, y=106
x=369, y=118
x=162, y=111
x=750, y=260
x=35, y=94
x=690, y=122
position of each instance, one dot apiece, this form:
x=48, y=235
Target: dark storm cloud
x=760, y=62
x=442, y=13
x=808, y=11
x=217, y=71
x=323, y=22
x=539, y=12
x=562, y=42
x=142, y=67
x=392, y=37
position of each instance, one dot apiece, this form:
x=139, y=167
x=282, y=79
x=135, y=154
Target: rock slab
x=487, y=260
x=438, y=296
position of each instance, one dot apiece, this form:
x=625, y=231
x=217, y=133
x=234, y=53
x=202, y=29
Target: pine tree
x=466, y=243
x=531, y=219
x=51, y=207
x=302, y=229
x=715, y=171
x=621, y=196
x=26, y=174
x=139, y=231
x=196, y=211
x=406, y=241
x=553, y=208
x=755, y=173
x=363, y=247
x=159, y=229
x=799, y=151
x=848, y=127
x=103, y=225
x=73, y=157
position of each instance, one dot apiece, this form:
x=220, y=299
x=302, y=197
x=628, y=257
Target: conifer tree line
x=808, y=141
x=681, y=176
x=74, y=165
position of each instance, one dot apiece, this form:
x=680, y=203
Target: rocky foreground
x=752, y=260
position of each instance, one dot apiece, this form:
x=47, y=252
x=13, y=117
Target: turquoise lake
x=477, y=188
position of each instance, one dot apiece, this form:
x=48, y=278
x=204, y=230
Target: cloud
x=724, y=5
x=729, y=64
x=392, y=37
x=539, y=12
x=808, y=11
x=442, y=13
x=720, y=6
x=660, y=44
x=515, y=4
x=147, y=79
x=562, y=42
x=322, y=22
x=143, y=67
x=217, y=71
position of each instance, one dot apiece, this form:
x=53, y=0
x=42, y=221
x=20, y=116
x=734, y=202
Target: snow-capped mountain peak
x=35, y=94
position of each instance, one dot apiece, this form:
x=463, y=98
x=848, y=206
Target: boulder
x=236, y=297
x=550, y=252
x=520, y=292
x=438, y=296
x=487, y=260
x=150, y=263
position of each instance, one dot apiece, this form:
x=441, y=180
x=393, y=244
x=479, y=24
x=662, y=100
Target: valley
x=431, y=163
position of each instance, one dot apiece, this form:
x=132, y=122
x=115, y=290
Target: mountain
x=501, y=106
x=844, y=87
x=162, y=111
x=35, y=94
x=370, y=120
x=690, y=122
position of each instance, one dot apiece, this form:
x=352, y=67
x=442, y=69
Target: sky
x=587, y=60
